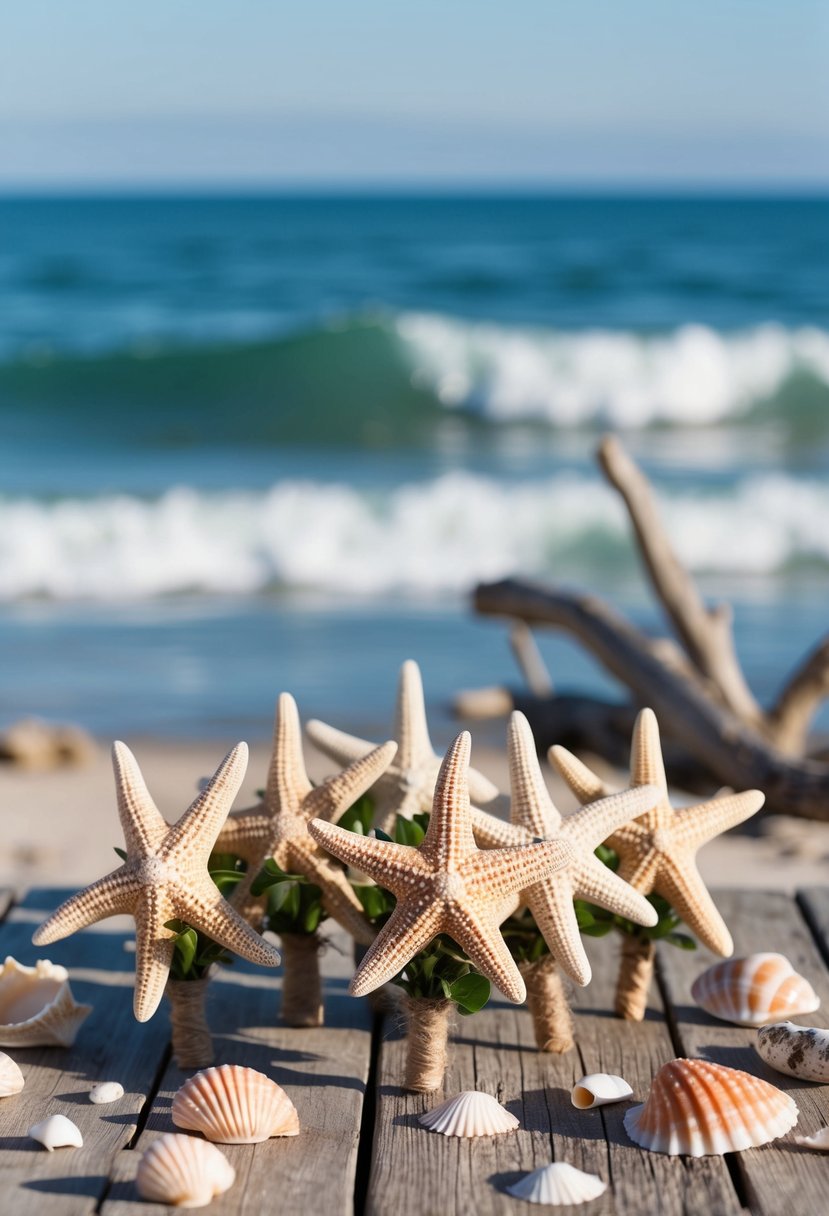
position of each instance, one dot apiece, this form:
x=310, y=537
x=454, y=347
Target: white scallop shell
x=819, y=1143
x=754, y=991
x=798, y=1051
x=470, y=1113
x=558, y=1183
x=599, y=1089
x=183, y=1171
x=11, y=1078
x=56, y=1132
x=37, y=1008
x=234, y=1105
x=107, y=1091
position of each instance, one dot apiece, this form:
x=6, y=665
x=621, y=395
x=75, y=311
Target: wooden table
x=361, y=1149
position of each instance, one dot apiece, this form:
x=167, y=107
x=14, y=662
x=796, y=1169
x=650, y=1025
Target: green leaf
x=312, y=917
x=682, y=941
x=358, y=818
x=470, y=992
x=381, y=835
x=122, y=853
x=186, y=946
x=406, y=831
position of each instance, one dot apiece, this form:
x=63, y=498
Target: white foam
x=693, y=375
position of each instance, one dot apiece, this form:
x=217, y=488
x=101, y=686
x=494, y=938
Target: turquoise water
x=260, y=443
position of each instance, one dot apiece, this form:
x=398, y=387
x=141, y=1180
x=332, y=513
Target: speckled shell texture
x=697, y=1108
x=37, y=1008
x=183, y=1171
x=754, y=991
x=797, y=1051
x=559, y=1183
x=470, y=1113
x=234, y=1105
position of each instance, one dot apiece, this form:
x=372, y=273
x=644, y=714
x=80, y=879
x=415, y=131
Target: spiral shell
x=558, y=1183
x=599, y=1089
x=37, y=1008
x=11, y=1078
x=698, y=1108
x=754, y=991
x=183, y=1171
x=798, y=1051
x=468, y=1114
x=234, y=1105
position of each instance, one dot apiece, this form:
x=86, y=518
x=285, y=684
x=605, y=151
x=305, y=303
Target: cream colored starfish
x=447, y=885
x=278, y=826
x=657, y=851
x=408, y=784
x=534, y=816
x=164, y=878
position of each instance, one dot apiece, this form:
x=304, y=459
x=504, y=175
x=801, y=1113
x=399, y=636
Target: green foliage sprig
x=294, y=903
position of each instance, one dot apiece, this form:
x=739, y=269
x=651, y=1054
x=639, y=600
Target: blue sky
x=250, y=92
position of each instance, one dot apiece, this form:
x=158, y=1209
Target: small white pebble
x=107, y=1091
x=56, y=1132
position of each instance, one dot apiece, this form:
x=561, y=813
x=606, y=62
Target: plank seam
x=368, y=1120
x=812, y=924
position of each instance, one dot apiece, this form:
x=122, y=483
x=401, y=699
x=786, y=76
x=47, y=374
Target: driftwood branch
x=528, y=657
x=799, y=698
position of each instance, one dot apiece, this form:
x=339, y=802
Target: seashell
x=754, y=991
x=234, y=1105
x=470, y=1113
x=56, y=1132
x=819, y=1143
x=183, y=1171
x=798, y=1051
x=695, y=1107
x=557, y=1184
x=107, y=1091
x=11, y=1078
x=37, y=1008
x=599, y=1089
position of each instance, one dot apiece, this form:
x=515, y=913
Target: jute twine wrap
x=428, y=1032
x=192, y=1044
x=301, y=982
x=548, y=1004
x=635, y=975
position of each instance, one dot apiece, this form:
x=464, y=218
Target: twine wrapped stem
x=192, y=1044
x=428, y=1033
x=635, y=975
x=548, y=1004
x=301, y=982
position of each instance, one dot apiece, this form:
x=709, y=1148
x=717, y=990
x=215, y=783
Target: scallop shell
x=183, y=1171
x=37, y=1008
x=695, y=1107
x=11, y=1078
x=471, y=1113
x=107, y=1091
x=798, y=1051
x=754, y=991
x=819, y=1143
x=56, y=1132
x=558, y=1183
x=599, y=1089
x=234, y=1105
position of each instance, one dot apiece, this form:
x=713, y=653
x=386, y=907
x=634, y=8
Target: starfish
x=407, y=785
x=164, y=877
x=534, y=816
x=657, y=851
x=278, y=826
x=446, y=885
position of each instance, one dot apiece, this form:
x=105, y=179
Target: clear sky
x=189, y=92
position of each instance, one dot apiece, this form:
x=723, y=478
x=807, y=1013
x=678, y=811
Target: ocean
x=254, y=444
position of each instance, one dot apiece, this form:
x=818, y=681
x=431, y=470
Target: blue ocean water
x=262, y=443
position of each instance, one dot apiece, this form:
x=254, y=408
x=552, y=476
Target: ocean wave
x=423, y=539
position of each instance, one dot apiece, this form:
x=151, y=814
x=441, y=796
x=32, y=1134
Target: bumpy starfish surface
x=534, y=816
x=408, y=784
x=657, y=851
x=164, y=878
x=447, y=885
x=278, y=826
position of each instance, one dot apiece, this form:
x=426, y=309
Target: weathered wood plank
x=324, y=1070
x=111, y=1046
x=778, y=1177
x=423, y=1174
x=814, y=905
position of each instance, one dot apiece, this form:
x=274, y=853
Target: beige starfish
x=408, y=784
x=534, y=816
x=447, y=885
x=657, y=851
x=164, y=878
x=278, y=826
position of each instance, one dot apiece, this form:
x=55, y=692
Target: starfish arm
x=493, y=833
x=646, y=764
x=337, y=794
x=193, y=837
x=393, y=866
x=476, y=931
x=394, y=801
x=582, y=781
x=338, y=895
x=638, y=860
x=449, y=838
x=287, y=782
x=531, y=806
x=694, y=825
x=482, y=791
x=411, y=729
x=492, y=874
x=245, y=834
x=336, y=744
x=408, y=930
x=551, y=904
x=110, y=896
x=154, y=949
x=598, y=884
x=204, y=908
x=142, y=823
x=682, y=885
x=592, y=824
